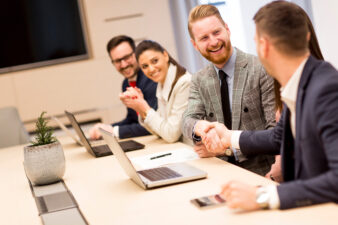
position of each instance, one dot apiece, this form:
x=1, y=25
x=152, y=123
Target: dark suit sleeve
x=323, y=186
x=262, y=141
x=130, y=118
x=132, y=130
x=130, y=127
x=149, y=93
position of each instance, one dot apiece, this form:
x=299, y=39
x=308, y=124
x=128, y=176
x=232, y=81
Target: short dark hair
x=115, y=41
x=286, y=24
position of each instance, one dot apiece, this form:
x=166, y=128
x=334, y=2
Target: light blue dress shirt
x=229, y=69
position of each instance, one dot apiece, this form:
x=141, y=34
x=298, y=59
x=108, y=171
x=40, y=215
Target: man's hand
x=129, y=94
x=275, y=173
x=133, y=98
x=213, y=142
x=224, y=136
x=201, y=127
x=94, y=132
x=202, y=151
x=240, y=196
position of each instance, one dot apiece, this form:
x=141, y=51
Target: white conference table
x=107, y=196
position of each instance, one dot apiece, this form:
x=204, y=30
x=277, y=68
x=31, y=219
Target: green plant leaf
x=44, y=133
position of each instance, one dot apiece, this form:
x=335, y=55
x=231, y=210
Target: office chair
x=12, y=131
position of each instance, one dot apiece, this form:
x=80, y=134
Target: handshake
x=216, y=139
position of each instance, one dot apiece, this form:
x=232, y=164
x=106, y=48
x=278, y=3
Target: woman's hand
x=139, y=92
x=133, y=98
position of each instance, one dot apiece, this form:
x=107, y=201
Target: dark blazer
x=310, y=161
x=130, y=127
x=253, y=103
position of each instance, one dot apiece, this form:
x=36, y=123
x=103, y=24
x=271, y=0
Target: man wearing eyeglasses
x=121, y=51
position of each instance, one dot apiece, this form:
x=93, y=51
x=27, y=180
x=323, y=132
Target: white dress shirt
x=166, y=121
x=289, y=95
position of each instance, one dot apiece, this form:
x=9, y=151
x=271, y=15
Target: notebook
x=154, y=177
x=99, y=148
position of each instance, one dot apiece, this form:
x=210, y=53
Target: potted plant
x=44, y=160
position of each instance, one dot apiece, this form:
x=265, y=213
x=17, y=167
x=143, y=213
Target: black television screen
x=40, y=32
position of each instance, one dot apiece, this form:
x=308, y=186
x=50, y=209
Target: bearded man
x=234, y=90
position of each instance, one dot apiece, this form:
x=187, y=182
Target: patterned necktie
x=225, y=100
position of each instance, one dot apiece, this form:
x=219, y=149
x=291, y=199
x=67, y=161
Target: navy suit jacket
x=130, y=127
x=310, y=160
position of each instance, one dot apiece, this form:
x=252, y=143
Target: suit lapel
x=240, y=77
x=305, y=77
x=299, y=105
x=139, y=79
x=288, y=164
x=214, y=90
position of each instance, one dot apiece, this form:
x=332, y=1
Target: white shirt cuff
x=150, y=115
x=116, y=131
x=274, y=198
x=235, y=138
x=238, y=155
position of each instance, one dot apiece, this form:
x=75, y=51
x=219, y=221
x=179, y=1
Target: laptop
x=155, y=177
x=98, y=148
x=67, y=131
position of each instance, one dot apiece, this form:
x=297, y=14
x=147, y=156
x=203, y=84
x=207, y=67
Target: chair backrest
x=12, y=131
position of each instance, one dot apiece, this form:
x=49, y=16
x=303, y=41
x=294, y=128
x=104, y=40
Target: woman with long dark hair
x=172, y=91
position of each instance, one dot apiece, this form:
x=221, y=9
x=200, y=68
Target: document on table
x=163, y=158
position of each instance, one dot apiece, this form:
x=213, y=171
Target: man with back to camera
x=234, y=89
x=121, y=50
x=307, y=134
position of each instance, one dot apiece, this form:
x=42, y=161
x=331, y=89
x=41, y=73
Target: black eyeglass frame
x=124, y=58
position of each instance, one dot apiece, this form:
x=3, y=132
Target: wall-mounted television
x=37, y=33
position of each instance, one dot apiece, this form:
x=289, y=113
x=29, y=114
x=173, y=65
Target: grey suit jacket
x=253, y=104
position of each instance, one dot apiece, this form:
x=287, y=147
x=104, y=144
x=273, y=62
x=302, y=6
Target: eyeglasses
x=124, y=58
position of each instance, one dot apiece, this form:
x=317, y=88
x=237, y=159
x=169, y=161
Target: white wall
x=325, y=21
x=239, y=17
x=92, y=83
x=249, y=9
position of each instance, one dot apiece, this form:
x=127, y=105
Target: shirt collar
x=290, y=90
x=163, y=90
x=229, y=67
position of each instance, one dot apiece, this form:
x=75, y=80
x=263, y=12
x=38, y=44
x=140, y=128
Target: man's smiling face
x=212, y=39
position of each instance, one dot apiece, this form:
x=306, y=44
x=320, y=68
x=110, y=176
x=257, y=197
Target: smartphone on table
x=208, y=201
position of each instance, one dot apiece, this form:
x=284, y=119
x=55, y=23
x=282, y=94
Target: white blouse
x=166, y=121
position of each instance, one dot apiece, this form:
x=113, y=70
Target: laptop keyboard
x=160, y=173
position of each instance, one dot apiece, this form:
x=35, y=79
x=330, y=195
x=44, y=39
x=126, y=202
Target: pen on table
x=160, y=156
